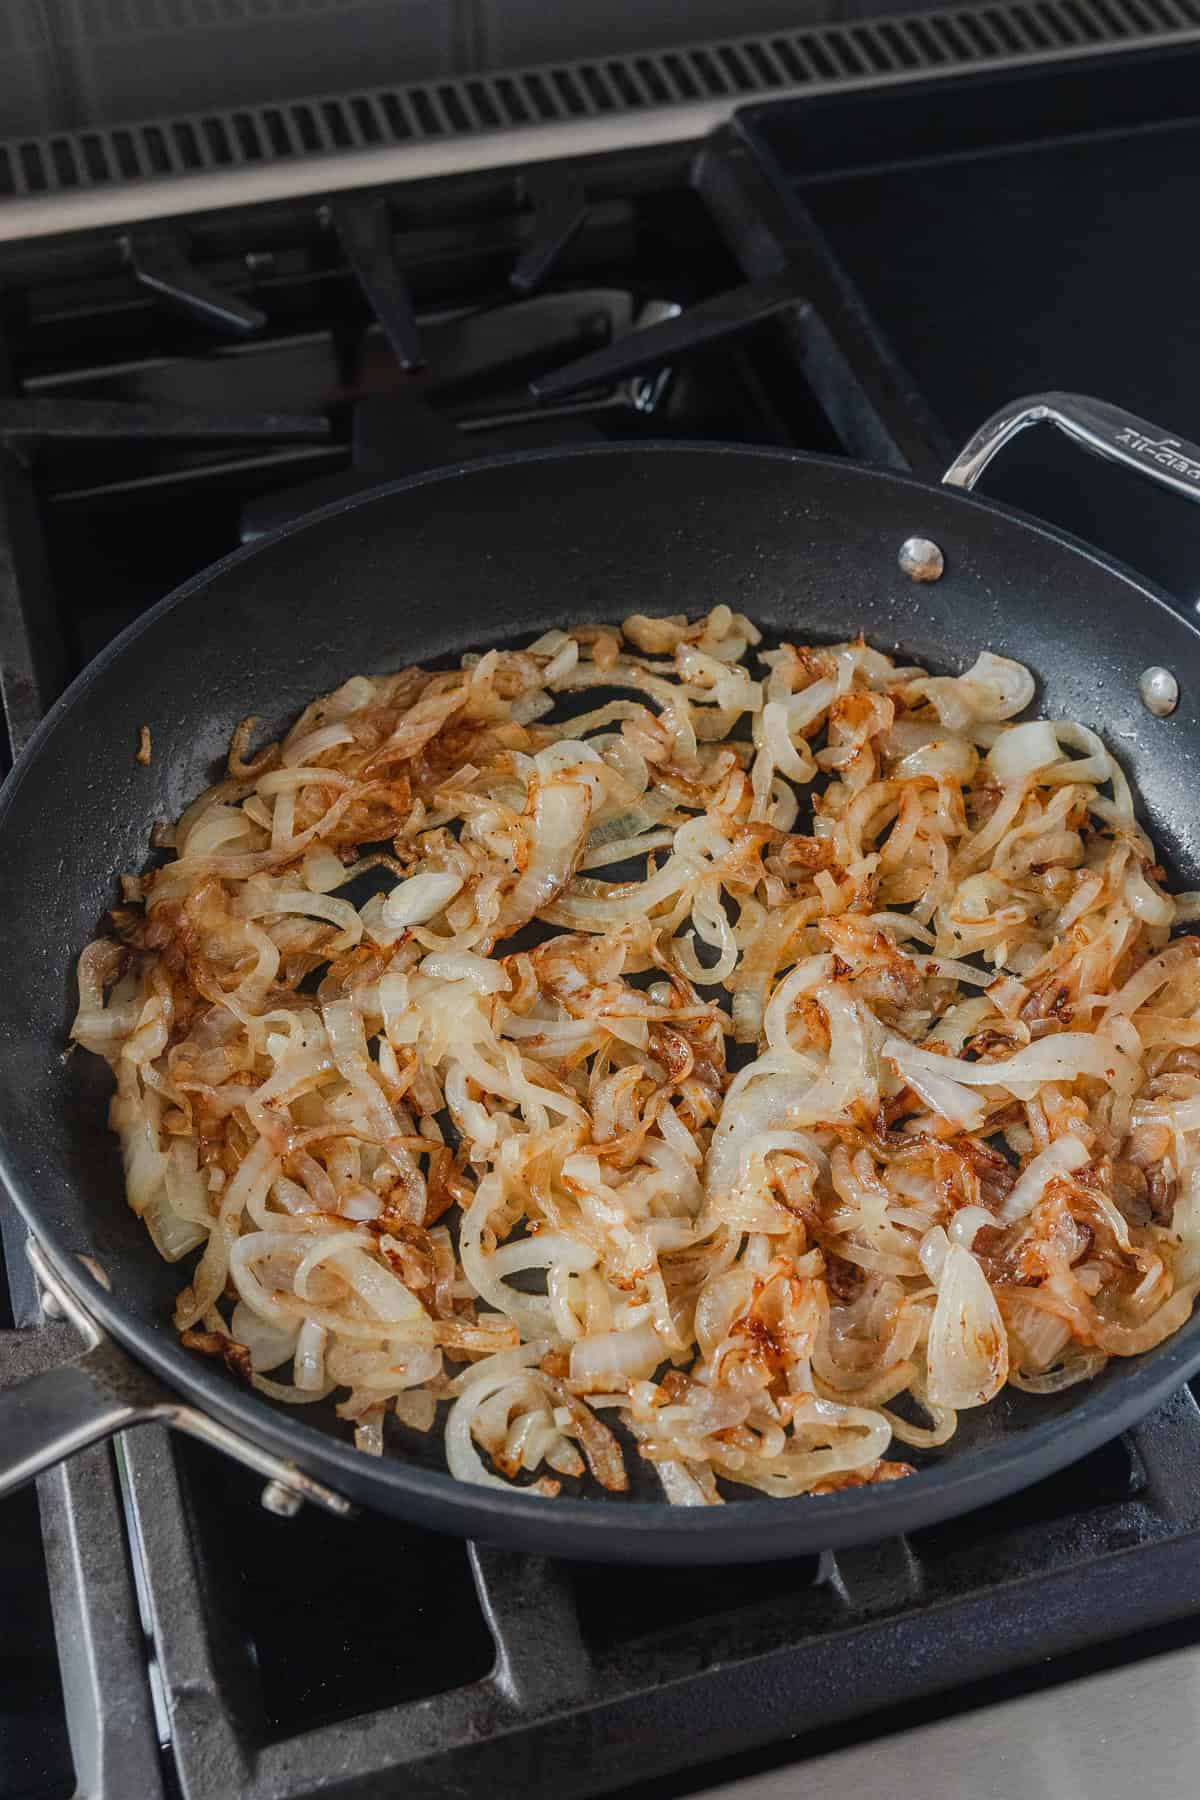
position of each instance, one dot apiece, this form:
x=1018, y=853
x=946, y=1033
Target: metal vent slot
x=247, y=129
x=187, y=144
x=480, y=95
x=158, y=151
x=434, y=127
x=1117, y=17
x=766, y=68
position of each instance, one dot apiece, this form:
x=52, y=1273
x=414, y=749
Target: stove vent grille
x=722, y=75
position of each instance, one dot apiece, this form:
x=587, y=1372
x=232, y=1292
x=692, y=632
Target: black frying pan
x=498, y=552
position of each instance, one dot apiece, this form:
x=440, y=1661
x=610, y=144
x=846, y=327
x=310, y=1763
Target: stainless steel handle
x=1105, y=430
x=50, y=1415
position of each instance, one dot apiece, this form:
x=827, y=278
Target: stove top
x=168, y=396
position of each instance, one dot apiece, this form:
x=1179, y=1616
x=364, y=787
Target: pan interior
x=492, y=555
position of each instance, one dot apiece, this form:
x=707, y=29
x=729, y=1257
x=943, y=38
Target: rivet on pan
x=921, y=559
x=51, y=1305
x=1159, y=690
x=281, y=1500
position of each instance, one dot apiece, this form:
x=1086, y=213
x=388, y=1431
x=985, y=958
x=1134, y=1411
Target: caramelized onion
x=468, y=1147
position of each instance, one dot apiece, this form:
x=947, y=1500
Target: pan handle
x=50, y=1415
x=1105, y=430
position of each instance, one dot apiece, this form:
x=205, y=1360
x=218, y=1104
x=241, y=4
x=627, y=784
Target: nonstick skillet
x=496, y=553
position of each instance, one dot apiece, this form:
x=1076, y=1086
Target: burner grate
x=596, y=1679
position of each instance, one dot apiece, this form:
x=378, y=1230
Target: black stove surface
x=158, y=407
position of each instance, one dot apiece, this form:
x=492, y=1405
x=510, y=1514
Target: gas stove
x=811, y=274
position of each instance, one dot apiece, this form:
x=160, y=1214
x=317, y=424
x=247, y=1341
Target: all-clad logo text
x=1160, y=450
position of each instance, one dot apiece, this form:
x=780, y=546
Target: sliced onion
x=1185, y=1223
x=315, y=743
x=1062, y=1057
x=604, y=1361
x=173, y=1236
x=967, y=1351
x=1146, y=902
x=269, y=1345
x=561, y=811
x=348, y=1043
x=322, y=869
x=1022, y=750
x=966, y=1222
x=1040, y=1336
x=680, y=1487
x=769, y=1106
x=1005, y=687
x=417, y=1409
x=489, y=1377
x=478, y=972
x=421, y=898
x=309, y=1369
x=1085, y=1365
x=1059, y=1158
x=1146, y=982
x=541, y=1252
x=941, y=1094
x=949, y=756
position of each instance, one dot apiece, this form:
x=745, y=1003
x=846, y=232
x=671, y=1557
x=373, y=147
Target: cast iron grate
x=403, y=1601
x=658, y=1602
x=594, y=1677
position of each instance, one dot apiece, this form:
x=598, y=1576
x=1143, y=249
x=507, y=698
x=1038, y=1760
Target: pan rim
x=749, y=1530
x=651, y=447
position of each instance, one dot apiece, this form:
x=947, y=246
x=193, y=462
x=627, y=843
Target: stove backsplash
x=68, y=66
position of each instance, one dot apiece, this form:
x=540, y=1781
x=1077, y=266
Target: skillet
x=497, y=552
